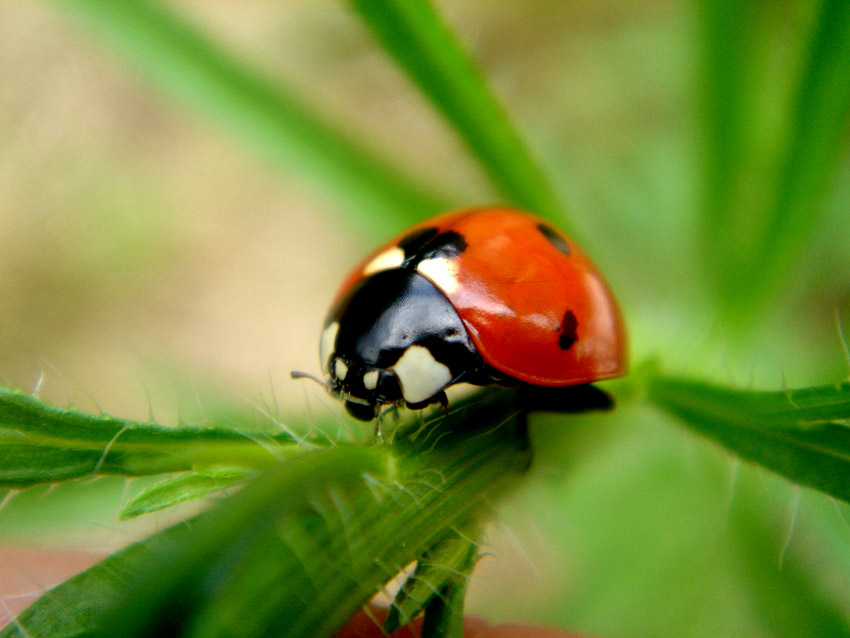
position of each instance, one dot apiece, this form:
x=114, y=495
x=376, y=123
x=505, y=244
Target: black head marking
x=569, y=331
x=554, y=238
x=430, y=243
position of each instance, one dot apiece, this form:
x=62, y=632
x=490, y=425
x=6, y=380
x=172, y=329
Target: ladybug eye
x=388, y=386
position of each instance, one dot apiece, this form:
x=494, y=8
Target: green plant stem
x=439, y=582
x=415, y=35
x=445, y=612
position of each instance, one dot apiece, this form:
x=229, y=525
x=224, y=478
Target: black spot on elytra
x=414, y=242
x=569, y=331
x=554, y=238
x=430, y=243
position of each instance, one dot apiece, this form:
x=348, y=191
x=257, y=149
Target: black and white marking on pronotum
x=396, y=339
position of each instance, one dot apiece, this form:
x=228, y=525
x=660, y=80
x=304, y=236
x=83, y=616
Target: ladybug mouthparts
x=364, y=388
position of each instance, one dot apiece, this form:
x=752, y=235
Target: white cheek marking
x=390, y=258
x=326, y=345
x=421, y=376
x=443, y=272
x=370, y=380
x=340, y=369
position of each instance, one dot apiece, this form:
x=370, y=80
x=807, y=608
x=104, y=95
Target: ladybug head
x=393, y=338
x=361, y=400
x=364, y=388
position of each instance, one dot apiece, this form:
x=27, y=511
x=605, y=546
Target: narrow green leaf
x=40, y=443
x=70, y=608
x=415, y=35
x=796, y=433
x=727, y=56
x=813, y=148
x=177, y=58
x=302, y=547
x=181, y=489
x=450, y=560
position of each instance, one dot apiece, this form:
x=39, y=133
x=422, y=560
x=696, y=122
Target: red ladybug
x=480, y=296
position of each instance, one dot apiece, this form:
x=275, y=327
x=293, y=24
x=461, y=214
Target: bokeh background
x=152, y=265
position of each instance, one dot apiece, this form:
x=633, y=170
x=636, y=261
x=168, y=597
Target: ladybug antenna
x=295, y=374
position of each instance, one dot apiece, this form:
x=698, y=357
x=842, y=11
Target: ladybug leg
x=379, y=432
x=443, y=400
x=390, y=412
x=566, y=399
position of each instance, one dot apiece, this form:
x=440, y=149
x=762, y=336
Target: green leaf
x=447, y=563
x=796, y=433
x=415, y=35
x=813, y=146
x=180, y=489
x=40, y=443
x=70, y=608
x=302, y=547
x=180, y=60
x=727, y=77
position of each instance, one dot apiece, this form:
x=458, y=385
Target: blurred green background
x=149, y=263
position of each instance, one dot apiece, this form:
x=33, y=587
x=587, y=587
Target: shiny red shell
x=520, y=287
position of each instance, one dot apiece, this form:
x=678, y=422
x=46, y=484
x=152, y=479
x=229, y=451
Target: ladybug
x=480, y=296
